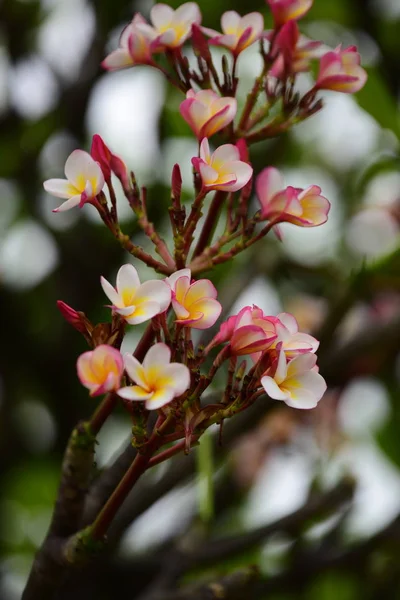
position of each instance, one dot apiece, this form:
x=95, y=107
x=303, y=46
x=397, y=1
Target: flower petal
x=203, y=288
x=127, y=278
x=135, y=371
x=61, y=188
x=161, y=15
x=272, y=388
x=230, y=21
x=154, y=290
x=159, y=398
x=158, y=355
x=111, y=293
x=180, y=377
x=268, y=184
x=71, y=203
x=210, y=309
x=172, y=279
x=80, y=167
x=134, y=392
x=118, y=59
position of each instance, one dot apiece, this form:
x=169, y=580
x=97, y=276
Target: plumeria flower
x=84, y=181
x=248, y=332
x=340, y=71
x=306, y=208
x=288, y=10
x=171, y=28
x=294, y=51
x=109, y=162
x=137, y=302
x=195, y=304
x=100, y=370
x=223, y=169
x=289, y=338
x=157, y=380
x=238, y=32
x=136, y=46
x=206, y=112
x=297, y=383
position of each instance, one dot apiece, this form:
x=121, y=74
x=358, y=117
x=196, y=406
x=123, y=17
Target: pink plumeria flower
x=171, y=28
x=206, y=112
x=100, y=370
x=340, y=71
x=157, y=380
x=248, y=332
x=223, y=169
x=195, y=304
x=84, y=181
x=294, y=51
x=306, y=208
x=137, y=302
x=297, y=383
x=238, y=32
x=288, y=337
x=135, y=46
x=288, y=10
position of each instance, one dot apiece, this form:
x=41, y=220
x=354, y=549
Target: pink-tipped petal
x=172, y=279
x=268, y=184
x=210, y=310
x=203, y=288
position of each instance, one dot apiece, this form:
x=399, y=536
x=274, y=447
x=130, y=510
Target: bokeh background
x=341, y=279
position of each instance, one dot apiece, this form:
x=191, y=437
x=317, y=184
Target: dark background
x=53, y=97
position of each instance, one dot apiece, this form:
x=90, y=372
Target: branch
x=230, y=587
x=49, y=563
x=316, y=508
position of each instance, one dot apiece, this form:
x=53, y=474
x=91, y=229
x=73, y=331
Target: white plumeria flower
x=238, y=32
x=297, y=383
x=172, y=27
x=223, y=169
x=137, y=302
x=84, y=181
x=158, y=381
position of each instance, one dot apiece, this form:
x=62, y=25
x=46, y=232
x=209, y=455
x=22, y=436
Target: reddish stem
x=102, y=412
x=210, y=222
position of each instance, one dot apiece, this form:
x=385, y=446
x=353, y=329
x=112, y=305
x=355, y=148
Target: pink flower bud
x=294, y=52
x=109, y=162
x=340, y=71
x=78, y=320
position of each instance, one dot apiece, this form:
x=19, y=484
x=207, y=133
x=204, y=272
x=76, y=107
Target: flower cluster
x=170, y=369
